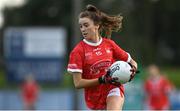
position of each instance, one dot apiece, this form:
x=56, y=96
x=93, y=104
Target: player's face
x=88, y=29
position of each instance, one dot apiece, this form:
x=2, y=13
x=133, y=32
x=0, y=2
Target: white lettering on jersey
x=101, y=65
x=98, y=53
x=108, y=51
x=96, y=49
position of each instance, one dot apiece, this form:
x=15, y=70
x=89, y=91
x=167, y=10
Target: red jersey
x=29, y=92
x=157, y=93
x=93, y=60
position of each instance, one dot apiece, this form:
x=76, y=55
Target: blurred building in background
x=37, y=35
x=37, y=50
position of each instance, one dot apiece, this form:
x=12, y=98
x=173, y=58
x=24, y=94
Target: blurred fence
x=64, y=100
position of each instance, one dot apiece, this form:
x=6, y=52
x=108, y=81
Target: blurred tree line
x=151, y=28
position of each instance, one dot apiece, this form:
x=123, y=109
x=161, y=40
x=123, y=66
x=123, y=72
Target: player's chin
x=86, y=37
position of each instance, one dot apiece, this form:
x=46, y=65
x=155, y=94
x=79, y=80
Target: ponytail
x=107, y=23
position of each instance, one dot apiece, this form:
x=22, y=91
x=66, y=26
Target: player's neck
x=92, y=43
x=95, y=39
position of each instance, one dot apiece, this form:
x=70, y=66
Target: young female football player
x=90, y=59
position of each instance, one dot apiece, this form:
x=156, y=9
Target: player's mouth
x=85, y=34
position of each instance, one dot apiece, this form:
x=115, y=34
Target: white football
x=120, y=70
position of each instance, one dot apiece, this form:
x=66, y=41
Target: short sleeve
x=75, y=62
x=119, y=53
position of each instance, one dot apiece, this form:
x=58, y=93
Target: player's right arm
x=79, y=82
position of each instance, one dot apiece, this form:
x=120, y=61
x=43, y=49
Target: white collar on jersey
x=93, y=44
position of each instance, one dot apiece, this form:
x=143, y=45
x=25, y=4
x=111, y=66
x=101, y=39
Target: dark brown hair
x=107, y=23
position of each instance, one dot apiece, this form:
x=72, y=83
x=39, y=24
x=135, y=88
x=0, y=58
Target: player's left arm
x=134, y=67
x=134, y=64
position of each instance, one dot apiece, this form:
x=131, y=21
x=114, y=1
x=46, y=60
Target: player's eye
x=80, y=26
x=86, y=25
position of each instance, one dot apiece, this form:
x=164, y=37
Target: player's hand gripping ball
x=122, y=71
